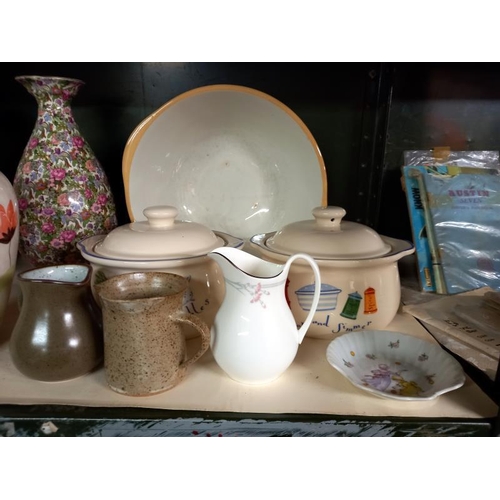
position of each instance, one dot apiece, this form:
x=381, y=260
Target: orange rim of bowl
x=140, y=130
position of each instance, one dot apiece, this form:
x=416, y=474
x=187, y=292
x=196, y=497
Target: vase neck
x=53, y=94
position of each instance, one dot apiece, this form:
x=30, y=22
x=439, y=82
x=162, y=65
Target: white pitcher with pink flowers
x=254, y=338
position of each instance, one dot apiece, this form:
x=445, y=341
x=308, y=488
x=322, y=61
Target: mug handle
x=197, y=324
x=317, y=290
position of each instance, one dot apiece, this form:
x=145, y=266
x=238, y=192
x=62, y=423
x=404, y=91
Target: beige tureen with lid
x=360, y=286
x=163, y=243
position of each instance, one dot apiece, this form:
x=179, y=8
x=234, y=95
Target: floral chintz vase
x=9, y=240
x=62, y=190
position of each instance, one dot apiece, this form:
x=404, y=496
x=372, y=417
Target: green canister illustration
x=351, y=306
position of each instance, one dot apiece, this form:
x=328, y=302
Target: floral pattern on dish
x=395, y=365
x=386, y=380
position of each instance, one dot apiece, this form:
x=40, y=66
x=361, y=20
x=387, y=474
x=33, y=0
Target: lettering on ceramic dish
x=339, y=327
x=189, y=302
x=342, y=327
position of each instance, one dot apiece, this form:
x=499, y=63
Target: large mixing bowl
x=229, y=157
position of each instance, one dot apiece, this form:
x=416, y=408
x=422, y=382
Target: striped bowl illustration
x=327, y=299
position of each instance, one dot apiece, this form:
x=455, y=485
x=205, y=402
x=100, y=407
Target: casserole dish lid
x=329, y=237
x=161, y=236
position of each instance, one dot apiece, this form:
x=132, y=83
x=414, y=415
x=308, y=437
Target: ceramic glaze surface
x=227, y=156
x=58, y=333
x=356, y=294
x=360, y=286
x=206, y=288
x=63, y=192
x=254, y=335
x=329, y=237
x=9, y=240
x=63, y=273
x=395, y=365
x=144, y=344
x=161, y=237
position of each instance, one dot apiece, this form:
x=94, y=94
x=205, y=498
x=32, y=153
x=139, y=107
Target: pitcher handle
x=317, y=290
x=197, y=324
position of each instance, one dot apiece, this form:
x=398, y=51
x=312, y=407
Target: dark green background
x=362, y=115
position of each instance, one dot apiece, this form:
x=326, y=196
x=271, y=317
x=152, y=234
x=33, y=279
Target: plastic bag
x=434, y=161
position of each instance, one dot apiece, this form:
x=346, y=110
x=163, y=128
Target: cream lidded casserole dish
x=163, y=243
x=360, y=284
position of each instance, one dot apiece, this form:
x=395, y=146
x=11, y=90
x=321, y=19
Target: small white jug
x=254, y=338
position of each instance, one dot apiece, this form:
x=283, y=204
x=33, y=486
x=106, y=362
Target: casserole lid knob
x=160, y=216
x=329, y=217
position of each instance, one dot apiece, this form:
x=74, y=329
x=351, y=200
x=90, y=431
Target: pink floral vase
x=9, y=240
x=63, y=192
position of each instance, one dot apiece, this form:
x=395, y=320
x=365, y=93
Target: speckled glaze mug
x=144, y=344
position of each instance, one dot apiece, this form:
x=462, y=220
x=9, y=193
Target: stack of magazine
x=468, y=324
x=454, y=206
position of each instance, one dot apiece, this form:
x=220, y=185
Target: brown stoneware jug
x=58, y=334
x=144, y=343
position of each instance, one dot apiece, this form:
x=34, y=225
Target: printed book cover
x=418, y=228
x=415, y=197
x=464, y=208
x=437, y=162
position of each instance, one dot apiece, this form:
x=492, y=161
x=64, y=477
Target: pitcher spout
x=235, y=262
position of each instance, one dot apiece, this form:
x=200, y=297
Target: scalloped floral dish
x=395, y=365
x=229, y=157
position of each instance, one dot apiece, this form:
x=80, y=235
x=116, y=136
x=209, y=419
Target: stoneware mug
x=144, y=344
x=58, y=333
